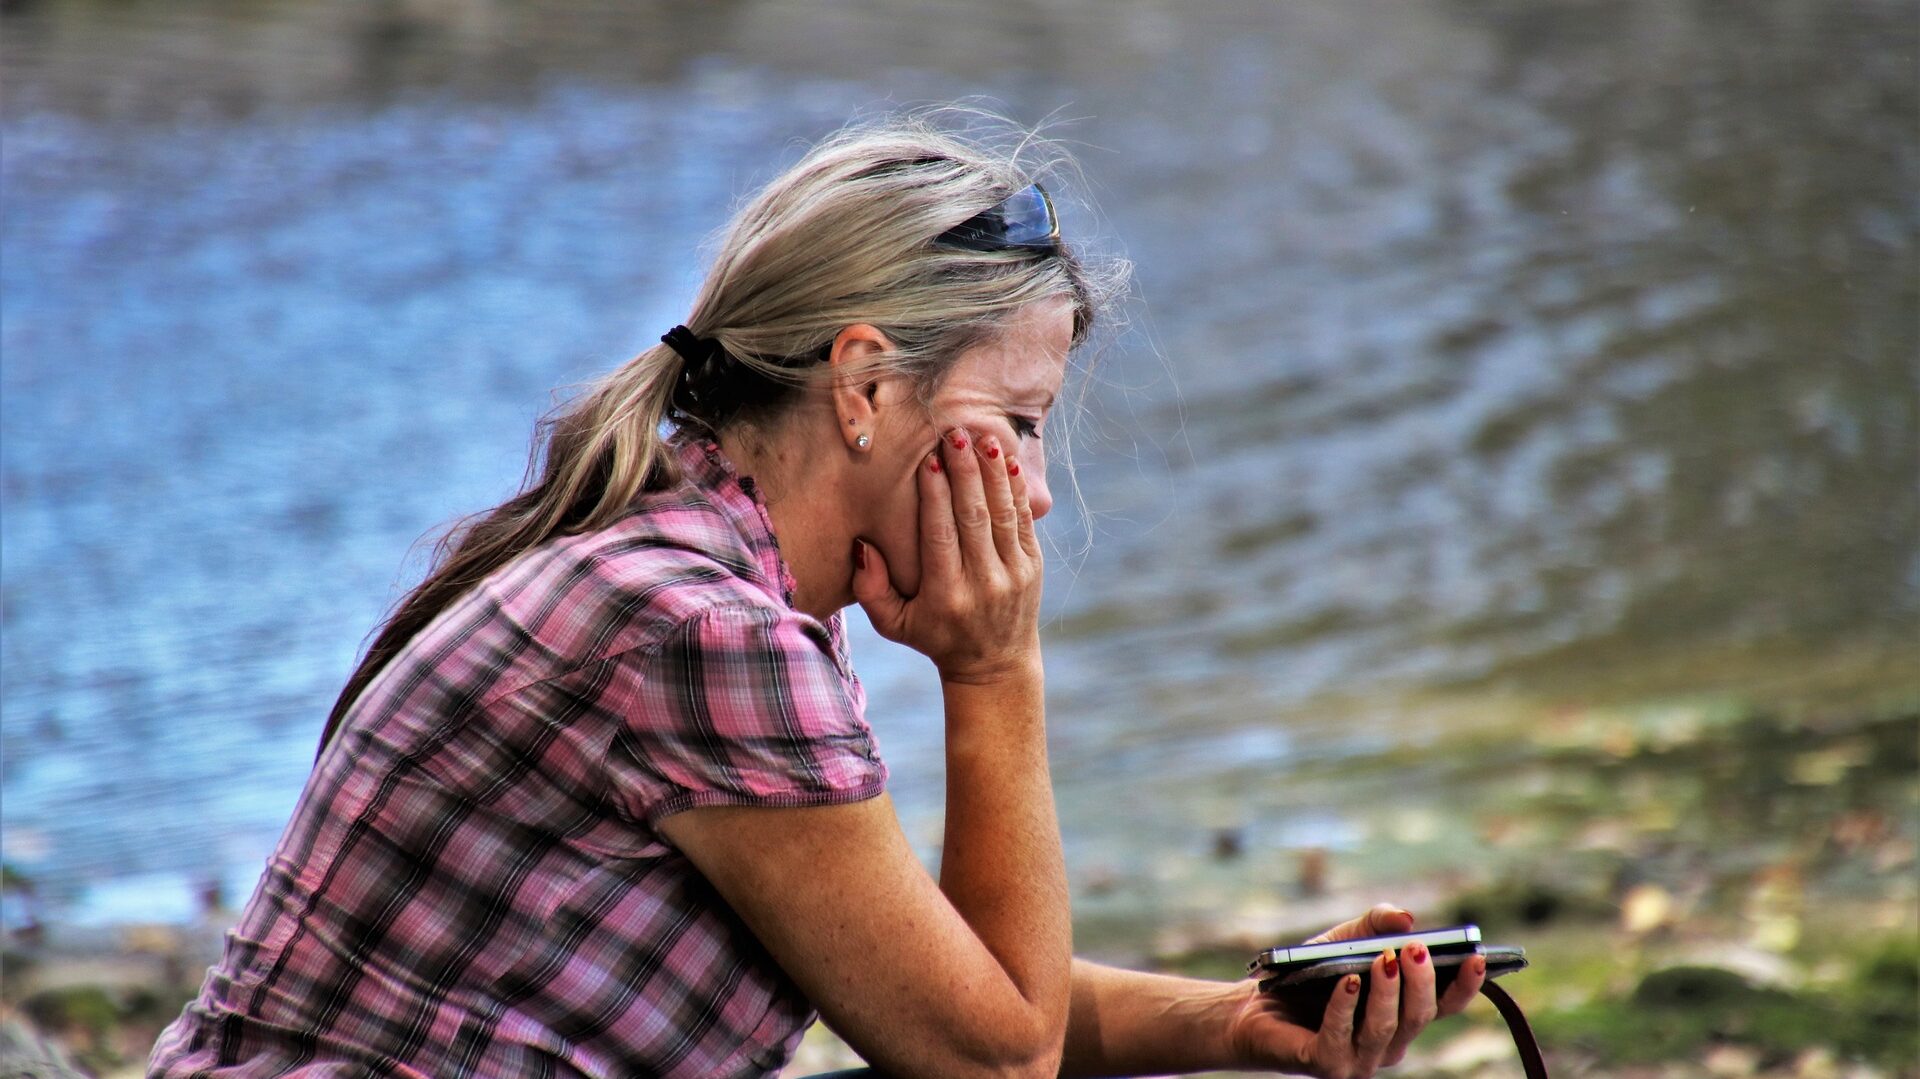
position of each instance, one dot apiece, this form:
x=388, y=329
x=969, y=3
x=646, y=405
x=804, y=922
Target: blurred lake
x=1486, y=351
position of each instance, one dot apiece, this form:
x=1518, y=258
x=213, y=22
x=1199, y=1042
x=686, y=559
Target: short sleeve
x=744, y=706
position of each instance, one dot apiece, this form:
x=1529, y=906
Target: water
x=1507, y=347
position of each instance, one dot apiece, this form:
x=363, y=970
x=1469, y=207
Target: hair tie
x=695, y=350
x=700, y=373
x=705, y=358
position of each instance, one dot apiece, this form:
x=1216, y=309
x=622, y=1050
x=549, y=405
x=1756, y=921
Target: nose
x=1033, y=467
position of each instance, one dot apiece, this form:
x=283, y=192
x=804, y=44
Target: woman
x=601, y=798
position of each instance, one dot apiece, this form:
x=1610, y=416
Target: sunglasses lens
x=1024, y=220
x=1029, y=217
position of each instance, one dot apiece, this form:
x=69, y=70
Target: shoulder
x=746, y=643
x=742, y=705
x=676, y=559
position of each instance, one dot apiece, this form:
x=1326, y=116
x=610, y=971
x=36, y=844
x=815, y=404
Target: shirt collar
x=739, y=498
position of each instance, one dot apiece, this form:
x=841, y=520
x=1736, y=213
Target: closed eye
x=1023, y=427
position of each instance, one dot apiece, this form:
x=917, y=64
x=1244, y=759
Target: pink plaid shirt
x=473, y=884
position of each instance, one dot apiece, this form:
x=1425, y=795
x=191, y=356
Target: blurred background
x=1504, y=501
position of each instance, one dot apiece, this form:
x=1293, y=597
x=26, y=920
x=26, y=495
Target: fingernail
x=1013, y=468
x=933, y=464
x=1392, y=967
x=1403, y=910
x=959, y=439
x=859, y=554
x=993, y=448
x=1479, y=964
x=1353, y=984
x=1418, y=951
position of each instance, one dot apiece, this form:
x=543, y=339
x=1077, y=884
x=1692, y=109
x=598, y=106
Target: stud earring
x=863, y=442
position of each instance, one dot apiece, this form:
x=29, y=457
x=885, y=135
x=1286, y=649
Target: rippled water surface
x=1511, y=347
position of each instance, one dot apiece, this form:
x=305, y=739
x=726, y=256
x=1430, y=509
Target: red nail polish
x=1419, y=952
x=993, y=450
x=933, y=464
x=1479, y=964
x=859, y=554
x=1013, y=468
x=1392, y=967
x=1353, y=984
x=959, y=441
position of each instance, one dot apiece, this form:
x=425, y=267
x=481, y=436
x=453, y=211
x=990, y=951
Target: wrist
x=1018, y=671
x=1228, y=1023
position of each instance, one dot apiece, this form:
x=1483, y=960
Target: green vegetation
x=1675, y=1013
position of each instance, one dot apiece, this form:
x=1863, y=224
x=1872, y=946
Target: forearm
x=1000, y=864
x=1123, y=1022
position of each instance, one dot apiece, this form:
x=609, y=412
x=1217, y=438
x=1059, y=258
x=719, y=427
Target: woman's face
x=1002, y=390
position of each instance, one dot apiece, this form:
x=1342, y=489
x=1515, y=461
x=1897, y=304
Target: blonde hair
x=845, y=235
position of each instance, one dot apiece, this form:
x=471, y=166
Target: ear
x=856, y=386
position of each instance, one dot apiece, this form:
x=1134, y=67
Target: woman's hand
x=1348, y=1044
x=977, y=613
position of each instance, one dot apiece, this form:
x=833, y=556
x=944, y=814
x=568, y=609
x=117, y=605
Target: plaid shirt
x=473, y=884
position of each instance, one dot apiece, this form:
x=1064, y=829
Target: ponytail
x=592, y=457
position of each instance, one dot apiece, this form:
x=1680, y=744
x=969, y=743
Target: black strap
x=1530, y=1060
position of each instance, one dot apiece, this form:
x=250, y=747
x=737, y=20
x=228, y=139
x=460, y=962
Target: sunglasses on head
x=1024, y=221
